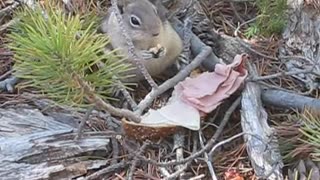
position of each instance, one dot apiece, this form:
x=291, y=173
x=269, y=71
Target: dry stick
x=115, y=150
x=179, y=144
x=82, y=123
x=206, y=156
x=173, y=81
x=8, y=8
x=131, y=50
x=244, y=23
x=136, y=159
x=254, y=51
x=236, y=13
x=201, y=176
x=246, y=45
x=164, y=171
x=126, y=94
x=289, y=73
x=276, y=75
x=8, y=24
x=177, y=173
x=6, y=74
x=210, y=143
x=224, y=142
x=110, y=168
x=122, y=88
x=102, y=105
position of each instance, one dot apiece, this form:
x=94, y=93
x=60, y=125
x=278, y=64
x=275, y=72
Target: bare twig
x=82, y=123
x=178, y=145
x=244, y=23
x=7, y=9
x=115, y=150
x=99, y=103
x=236, y=13
x=208, y=161
x=6, y=74
x=136, y=159
x=173, y=81
x=131, y=49
x=8, y=24
x=164, y=172
x=201, y=176
x=107, y=170
x=224, y=142
x=289, y=100
x=276, y=75
x=246, y=45
x=126, y=95
x=177, y=173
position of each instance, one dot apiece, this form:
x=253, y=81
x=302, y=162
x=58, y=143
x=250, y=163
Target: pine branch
x=57, y=54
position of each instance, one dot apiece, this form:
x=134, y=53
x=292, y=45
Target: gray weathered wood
x=302, y=38
x=261, y=142
x=34, y=146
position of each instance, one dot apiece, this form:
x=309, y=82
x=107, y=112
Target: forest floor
x=231, y=161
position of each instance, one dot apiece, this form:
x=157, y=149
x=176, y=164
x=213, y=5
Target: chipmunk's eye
x=135, y=21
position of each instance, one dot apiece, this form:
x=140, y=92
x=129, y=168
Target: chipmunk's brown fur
x=147, y=26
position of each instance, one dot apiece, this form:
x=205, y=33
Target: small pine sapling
x=55, y=53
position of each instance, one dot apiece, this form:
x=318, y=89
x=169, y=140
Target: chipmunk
x=152, y=35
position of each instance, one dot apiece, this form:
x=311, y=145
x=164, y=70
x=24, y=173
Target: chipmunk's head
x=142, y=18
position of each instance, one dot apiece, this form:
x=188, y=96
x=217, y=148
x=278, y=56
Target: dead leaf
x=208, y=90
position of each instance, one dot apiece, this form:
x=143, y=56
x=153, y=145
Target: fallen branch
x=102, y=105
x=178, y=145
x=6, y=74
x=173, y=81
x=208, y=159
x=136, y=159
x=284, y=99
x=262, y=145
x=280, y=74
x=224, y=142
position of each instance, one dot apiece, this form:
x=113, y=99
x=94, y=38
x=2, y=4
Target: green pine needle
x=271, y=18
x=49, y=49
x=311, y=131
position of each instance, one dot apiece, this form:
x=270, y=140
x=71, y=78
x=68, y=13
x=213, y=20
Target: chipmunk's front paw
x=158, y=51
x=154, y=53
x=146, y=54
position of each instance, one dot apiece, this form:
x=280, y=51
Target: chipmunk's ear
x=122, y=4
x=162, y=11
